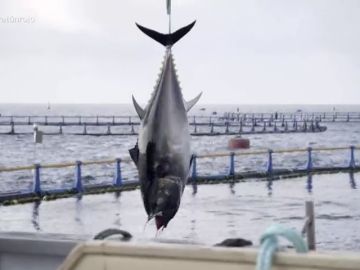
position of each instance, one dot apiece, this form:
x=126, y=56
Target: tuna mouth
x=159, y=220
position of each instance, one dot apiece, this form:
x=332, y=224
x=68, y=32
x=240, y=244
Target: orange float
x=239, y=143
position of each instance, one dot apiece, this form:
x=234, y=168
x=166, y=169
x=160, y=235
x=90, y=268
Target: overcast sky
x=239, y=52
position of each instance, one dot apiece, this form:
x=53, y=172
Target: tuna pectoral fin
x=167, y=39
x=134, y=154
x=140, y=111
x=189, y=104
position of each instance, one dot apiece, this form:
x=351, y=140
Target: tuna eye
x=160, y=201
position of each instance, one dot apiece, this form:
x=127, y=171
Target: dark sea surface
x=216, y=211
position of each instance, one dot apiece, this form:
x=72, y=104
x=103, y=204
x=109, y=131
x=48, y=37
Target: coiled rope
x=269, y=244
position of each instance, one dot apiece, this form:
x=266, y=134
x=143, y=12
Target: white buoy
x=38, y=135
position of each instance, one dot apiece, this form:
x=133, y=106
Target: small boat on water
x=68, y=252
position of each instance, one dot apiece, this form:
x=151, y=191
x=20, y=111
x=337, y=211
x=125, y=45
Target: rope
x=278, y=151
x=269, y=244
x=19, y=168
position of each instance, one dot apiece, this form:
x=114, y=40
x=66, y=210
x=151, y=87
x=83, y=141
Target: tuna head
x=164, y=200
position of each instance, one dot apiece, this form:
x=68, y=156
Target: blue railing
x=118, y=181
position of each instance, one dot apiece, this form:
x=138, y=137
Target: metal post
x=310, y=224
x=36, y=185
x=29, y=120
x=118, y=179
x=63, y=119
x=309, y=166
x=195, y=128
x=60, y=129
x=241, y=127
x=194, y=171
x=352, y=164
x=12, y=128
x=132, y=129
x=227, y=128
x=78, y=182
x=108, y=132
x=113, y=120
x=212, y=128
x=275, y=127
x=85, y=130
x=270, y=164
x=232, y=164
x=46, y=120
x=97, y=120
x=264, y=128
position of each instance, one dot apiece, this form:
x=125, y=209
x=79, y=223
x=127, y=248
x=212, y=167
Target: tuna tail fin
x=166, y=39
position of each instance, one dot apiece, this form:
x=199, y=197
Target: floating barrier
x=283, y=117
x=202, y=126
x=118, y=183
x=246, y=119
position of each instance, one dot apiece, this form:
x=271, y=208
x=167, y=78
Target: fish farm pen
x=128, y=125
x=118, y=183
x=198, y=119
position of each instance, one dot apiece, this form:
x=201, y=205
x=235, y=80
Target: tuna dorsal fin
x=189, y=104
x=140, y=111
x=166, y=39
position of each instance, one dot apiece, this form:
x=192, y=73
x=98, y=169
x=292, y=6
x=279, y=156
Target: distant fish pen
x=128, y=125
x=117, y=183
x=297, y=116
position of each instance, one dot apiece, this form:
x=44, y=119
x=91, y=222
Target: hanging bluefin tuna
x=162, y=154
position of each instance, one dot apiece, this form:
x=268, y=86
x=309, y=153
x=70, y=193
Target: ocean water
x=244, y=209
x=215, y=213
